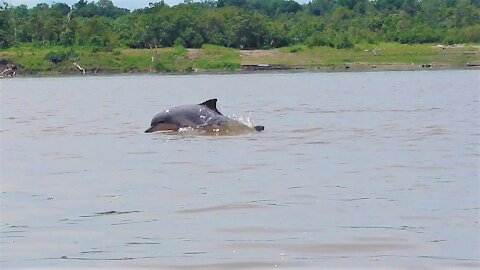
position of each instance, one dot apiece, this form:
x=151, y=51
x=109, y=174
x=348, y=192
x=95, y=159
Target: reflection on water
x=353, y=169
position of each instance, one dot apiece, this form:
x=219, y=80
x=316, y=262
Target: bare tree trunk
x=15, y=31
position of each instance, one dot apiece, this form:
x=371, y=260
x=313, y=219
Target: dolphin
x=204, y=116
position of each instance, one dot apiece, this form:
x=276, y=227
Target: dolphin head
x=162, y=122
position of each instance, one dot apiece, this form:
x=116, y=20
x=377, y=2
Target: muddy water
x=353, y=170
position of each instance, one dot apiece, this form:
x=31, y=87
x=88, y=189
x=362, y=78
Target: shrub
x=164, y=67
x=472, y=33
x=296, y=48
x=56, y=57
x=217, y=64
x=343, y=42
x=179, y=42
x=180, y=51
x=218, y=57
x=318, y=39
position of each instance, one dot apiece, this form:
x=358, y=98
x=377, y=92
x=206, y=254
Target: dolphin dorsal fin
x=212, y=105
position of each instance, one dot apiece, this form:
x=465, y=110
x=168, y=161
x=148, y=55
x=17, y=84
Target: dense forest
x=244, y=24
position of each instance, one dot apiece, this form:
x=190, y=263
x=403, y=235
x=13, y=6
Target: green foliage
x=472, y=33
x=270, y=7
x=67, y=38
x=343, y=42
x=5, y=24
x=58, y=56
x=319, y=39
x=98, y=8
x=218, y=57
x=420, y=34
x=173, y=59
x=212, y=57
x=246, y=24
x=296, y=48
x=179, y=42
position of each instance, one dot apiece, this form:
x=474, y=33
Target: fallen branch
x=79, y=67
x=5, y=71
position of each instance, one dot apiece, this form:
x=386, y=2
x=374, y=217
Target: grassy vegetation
x=58, y=60
x=172, y=59
x=384, y=53
x=212, y=57
x=35, y=60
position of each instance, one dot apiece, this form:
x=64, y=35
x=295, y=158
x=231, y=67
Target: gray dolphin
x=204, y=116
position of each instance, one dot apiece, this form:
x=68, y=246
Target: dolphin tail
x=259, y=128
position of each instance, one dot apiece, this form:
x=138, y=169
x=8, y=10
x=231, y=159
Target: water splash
x=244, y=120
x=238, y=125
x=186, y=129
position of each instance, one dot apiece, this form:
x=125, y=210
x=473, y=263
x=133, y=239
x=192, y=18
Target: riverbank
x=52, y=61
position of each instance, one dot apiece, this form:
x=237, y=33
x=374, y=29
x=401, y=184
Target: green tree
x=466, y=13
x=321, y=7
x=241, y=23
x=6, y=38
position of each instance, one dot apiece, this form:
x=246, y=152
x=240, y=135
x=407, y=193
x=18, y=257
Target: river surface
x=353, y=170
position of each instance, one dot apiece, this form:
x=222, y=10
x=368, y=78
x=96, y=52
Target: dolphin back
x=203, y=116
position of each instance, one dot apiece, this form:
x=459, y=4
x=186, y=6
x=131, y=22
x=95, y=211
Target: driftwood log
x=79, y=68
x=5, y=71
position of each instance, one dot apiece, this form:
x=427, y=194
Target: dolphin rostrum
x=204, y=116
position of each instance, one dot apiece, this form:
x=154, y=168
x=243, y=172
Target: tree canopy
x=241, y=23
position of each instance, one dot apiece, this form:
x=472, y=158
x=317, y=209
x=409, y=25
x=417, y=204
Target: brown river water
x=353, y=170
